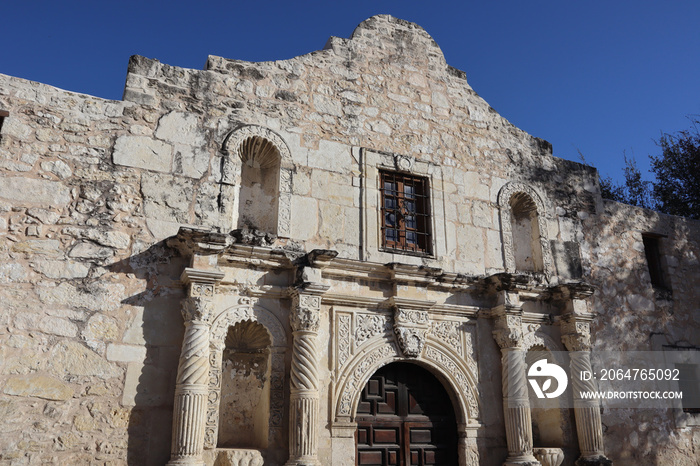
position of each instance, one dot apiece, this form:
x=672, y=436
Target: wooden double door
x=405, y=417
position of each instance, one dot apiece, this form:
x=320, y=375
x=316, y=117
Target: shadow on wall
x=158, y=325
x=149, y=386
x=630, y=309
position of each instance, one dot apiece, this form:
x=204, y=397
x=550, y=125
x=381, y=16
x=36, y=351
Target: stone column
x=576, y=336
x=304, y=318
x=191, y=389
x=516, y=403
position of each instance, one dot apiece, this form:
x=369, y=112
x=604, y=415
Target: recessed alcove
x=244, y=409
x=259, y=189
x=526, y=234
x=552, y=426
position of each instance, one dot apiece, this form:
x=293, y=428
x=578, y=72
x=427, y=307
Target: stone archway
x=438, y=359
x=405, y=416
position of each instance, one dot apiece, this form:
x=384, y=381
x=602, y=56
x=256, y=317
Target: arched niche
x=239, y=336
x=553, y=424
x=244, y=409
x=524, y=230
x=259, y=164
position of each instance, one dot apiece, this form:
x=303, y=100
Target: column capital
x=201, y=284
x=305, y=313
x=509, y=328
x=576, y=331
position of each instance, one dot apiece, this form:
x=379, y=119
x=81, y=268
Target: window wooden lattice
x=405, y=212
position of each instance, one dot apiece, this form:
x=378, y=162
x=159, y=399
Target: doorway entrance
x=405, y=417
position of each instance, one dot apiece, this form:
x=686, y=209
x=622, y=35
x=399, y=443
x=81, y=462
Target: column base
x=524, y=460
x=303, y=462
x=186, y=461
x=601, y=460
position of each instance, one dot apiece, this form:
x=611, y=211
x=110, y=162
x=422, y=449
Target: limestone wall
x=90, y=189
x=91, y=328
x=634, y=316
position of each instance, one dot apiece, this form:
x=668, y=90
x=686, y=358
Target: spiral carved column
x=191, y=389
x=304, y=318
x=516, y=404
x=576, y=336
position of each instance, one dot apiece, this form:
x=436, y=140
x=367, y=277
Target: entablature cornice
x=508, y=289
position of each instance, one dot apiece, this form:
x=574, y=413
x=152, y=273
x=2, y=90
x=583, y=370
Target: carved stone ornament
x=509, y=332
x=403, y=162
x=369, y=325
x=305, y=314
x=576, y=334
x=577, y=341
x=197, y=309
x=410, y=327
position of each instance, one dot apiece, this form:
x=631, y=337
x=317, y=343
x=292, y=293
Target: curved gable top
x=400, y=39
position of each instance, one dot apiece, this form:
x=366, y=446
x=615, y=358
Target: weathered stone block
x=46, y=193
x=143, y=152
x=39, y=386
x=61, y=269
x=126, y=353
x=72, y=358
x=180, y=128
x=167, y=198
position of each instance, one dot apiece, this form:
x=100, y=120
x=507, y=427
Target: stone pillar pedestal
x=304, y=422
x=191, y=390
x=576, y=336
x=516, y=403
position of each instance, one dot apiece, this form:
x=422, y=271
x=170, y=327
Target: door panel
x=405, y=417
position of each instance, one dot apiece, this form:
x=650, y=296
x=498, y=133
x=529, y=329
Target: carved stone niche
x=411, y=325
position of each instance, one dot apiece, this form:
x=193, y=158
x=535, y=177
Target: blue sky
x=602, y=77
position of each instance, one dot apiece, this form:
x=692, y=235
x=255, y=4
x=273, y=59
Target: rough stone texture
x=90, y=191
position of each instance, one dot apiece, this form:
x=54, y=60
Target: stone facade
x=221, y=230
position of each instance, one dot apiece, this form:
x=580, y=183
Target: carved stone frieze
x=449, y=333
x=368, y=326
x=410, y=327
x=342, y=337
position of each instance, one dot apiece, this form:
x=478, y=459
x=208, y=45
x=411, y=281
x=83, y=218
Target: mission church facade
x=331, y=259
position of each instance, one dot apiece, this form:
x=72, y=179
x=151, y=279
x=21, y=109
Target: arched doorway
x=405, y=417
